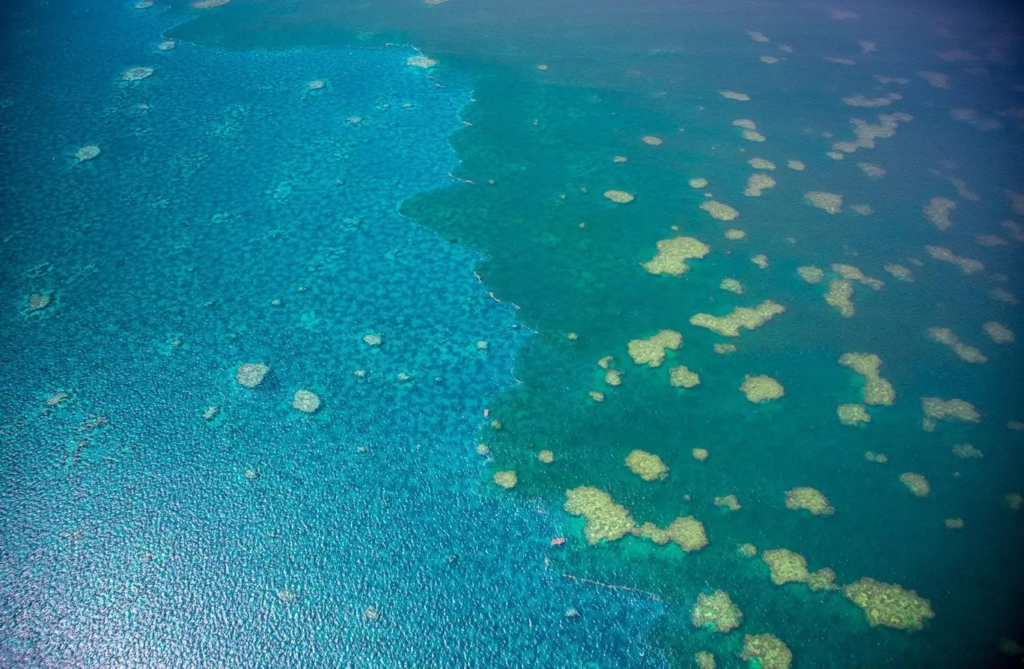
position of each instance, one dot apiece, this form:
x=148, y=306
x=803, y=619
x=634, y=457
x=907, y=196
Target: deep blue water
x=236, y=216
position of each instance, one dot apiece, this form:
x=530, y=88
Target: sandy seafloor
x=225, y=183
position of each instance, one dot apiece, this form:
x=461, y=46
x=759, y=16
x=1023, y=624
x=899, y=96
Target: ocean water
x=233, y=216
x=237, y=215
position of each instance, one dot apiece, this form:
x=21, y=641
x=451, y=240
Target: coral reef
x=767, y=651
x=39, y=301
x=651, y=351
x=137, y=74
x=810, y=273
x=937, y=408
x=673, y=254
x=963, y=351
x=734, y=234
x=966, y=265
x=853, y=414
x=651, y=140
x=547, y=457
x=889, y=605
x=251, y=374
x=838, y=296
x=731, y=285
x=787, y=566
x=420, y=61
x=832, y=203
x=761, y=164
x=682, y=377
x=733, y=95
x=967, y=452
x=87, y=152
x=306, y=401
x=619, y=196
x=506, y=479
x=728, y=502
x=937, y=210
x=716, y=612
x=998, y=332
x=916, y=483
x=761, y=260
x=761, y=388
x=647, y=466
x=851, y=273
x=758, y=183
x=741, y=317
x=899, y=271
x=700, y=454
x=719, y=211
x=808, y=499
x=877, y=391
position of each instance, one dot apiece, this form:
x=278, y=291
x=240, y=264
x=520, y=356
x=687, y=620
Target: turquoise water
x=223, y=185
x=237, y=215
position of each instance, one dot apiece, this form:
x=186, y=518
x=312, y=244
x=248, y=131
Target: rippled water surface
x=455, y=225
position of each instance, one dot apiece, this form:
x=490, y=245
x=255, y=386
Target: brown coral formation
x=966, y=265
x=999, y=333
x=963, y=351
x=651, y=351
x=810, y=273
x=87, y=153
x=732, y=286
x=831, y=203
x=767, y=651
x=619, y=196
x=682, y=377
x=787, y=566
x=306, y=401
x=251, y=374
x=851, y=273
x=889, y=605
x=899, y=271
x=673, y=254
x=853, y=414
x=605, y=519
x=967, y=452
x=839, y=293
x=761, y=389
x=937, y=408
x=809, y=499
x=758, y=183
x=506, y=479
x=916, y=483
x=716, y=612
x=877, y=391
x=741, y=317
x=867, y=133
x=719, y=211
x=728, y=502
x=647, y=466
x=937, y=210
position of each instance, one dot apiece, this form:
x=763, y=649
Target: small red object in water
x=558, y=541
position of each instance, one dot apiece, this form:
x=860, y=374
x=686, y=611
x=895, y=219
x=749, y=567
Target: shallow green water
x=546, y=139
